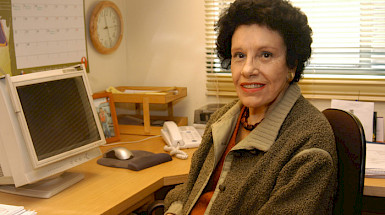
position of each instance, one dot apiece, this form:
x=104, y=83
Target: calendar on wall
x=42, y=34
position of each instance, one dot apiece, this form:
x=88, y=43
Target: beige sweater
x=287, y=165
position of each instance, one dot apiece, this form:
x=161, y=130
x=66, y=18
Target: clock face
x=108, y=27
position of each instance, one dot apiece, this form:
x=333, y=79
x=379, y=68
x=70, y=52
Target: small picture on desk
x=105, y=108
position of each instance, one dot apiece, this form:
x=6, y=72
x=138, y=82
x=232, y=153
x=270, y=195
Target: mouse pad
x=140, y=160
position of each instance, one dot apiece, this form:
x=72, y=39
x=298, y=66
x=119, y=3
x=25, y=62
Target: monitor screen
x=58, y=115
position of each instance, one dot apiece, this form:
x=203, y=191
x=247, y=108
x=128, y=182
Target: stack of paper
x=10, y=210
x=375, y=160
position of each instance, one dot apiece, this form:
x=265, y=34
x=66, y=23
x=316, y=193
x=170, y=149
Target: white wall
x=105, y=70
x=166, y=48
x=163, y=45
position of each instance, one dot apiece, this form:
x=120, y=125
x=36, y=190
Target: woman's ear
x=291, y=75
x=291, y=71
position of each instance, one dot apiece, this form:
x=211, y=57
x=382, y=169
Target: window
x=348, y=50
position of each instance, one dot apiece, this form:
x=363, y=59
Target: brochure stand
x=147, y=96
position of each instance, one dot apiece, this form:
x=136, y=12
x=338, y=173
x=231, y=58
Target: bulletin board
x=38, y=35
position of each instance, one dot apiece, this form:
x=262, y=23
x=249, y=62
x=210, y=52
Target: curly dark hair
x=278, y=15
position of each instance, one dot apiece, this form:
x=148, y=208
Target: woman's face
x=258, y=65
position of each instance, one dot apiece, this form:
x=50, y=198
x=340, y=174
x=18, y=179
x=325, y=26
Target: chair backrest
x=351, y=150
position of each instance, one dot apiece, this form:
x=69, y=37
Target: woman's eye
x=238, y=55
x=266, y=54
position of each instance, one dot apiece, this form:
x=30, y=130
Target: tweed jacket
x=286, y=165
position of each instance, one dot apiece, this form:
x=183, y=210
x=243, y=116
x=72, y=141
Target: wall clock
x=106, y=27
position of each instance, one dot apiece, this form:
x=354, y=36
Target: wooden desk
x=106, y=190
x=374, y=187
x=374, y=196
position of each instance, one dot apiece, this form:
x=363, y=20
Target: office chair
x=351, y=150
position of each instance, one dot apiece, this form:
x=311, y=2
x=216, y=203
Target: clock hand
x=108, y=31
x=105, y=21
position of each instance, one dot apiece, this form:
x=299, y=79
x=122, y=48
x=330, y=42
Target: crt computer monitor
x=48, y=124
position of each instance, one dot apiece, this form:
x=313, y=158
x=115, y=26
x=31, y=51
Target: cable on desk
x=136, y=141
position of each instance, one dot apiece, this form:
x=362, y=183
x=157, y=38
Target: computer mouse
x=120, y=153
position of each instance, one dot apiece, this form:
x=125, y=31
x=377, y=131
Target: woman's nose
x=250, y=67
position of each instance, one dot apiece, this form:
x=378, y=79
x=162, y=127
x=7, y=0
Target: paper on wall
x=47, y=32
x=362, y=110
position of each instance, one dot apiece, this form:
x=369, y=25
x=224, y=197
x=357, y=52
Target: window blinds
x=348, y=36
x=213, y=10
x=348, y=48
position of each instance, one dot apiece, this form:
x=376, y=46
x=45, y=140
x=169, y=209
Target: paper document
x=19, y=210
x=362, y=110
x=375, y=159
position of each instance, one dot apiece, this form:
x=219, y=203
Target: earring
x=290, y=76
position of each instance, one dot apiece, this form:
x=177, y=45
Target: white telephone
x=179, y=138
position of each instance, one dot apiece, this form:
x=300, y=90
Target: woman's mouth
x=252, y=87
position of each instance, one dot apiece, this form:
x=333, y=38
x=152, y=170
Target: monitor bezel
x=41, y=77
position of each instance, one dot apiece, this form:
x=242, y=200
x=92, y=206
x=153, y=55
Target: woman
x=270, y=152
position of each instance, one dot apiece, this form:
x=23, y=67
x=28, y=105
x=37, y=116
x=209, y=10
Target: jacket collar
x=223, y=128
x=265, y=134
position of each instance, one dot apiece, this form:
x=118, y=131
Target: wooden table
x=106, y=190
x=374, y=196
x=374, y=187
